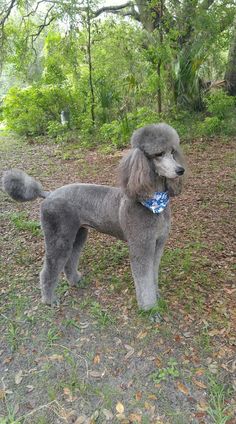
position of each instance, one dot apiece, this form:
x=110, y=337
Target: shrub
x=54, y=129
x=210, y=126
x=118, y=132
x=222, y=119
x=29, y=111
x=220, y=104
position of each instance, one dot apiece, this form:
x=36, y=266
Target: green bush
x=145, y=116
x=30, y=111
x=222, y=121
x=220, y=104
x=54, y=129
x=210, y=126
x=119, y=131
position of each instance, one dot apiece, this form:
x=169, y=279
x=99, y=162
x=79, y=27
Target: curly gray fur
x=21, y=187
x=155, y=163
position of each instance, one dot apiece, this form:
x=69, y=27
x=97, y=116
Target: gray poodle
x=138, y=212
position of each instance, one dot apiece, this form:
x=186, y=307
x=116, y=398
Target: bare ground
x=96, y=359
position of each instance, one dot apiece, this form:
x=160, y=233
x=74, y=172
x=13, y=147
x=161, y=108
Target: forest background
x=114, y=68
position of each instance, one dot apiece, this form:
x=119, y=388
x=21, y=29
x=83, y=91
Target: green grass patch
x=163, y=374
x=102, y=317
x=22, y=223
x=218, y=409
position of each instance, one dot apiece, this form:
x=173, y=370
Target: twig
x=81, y=357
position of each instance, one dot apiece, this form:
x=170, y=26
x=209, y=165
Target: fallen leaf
x=97, y=359
x=142, y=334
x=130, y=351
x=213, y=333
x=202, y=406
x=158, y=362
x=7, y=360
x=66, y=391
x=138, y=395
x=81, y=419
x=108, y=414
x=152, y=397
x=148, y=405
x=19, y=377
x=30, y=388
x=187, y=334
x=56, y=357
x=121, y=417
x=177, y=338
x=182, y=388
x=120, y=408
x=199, y=372
x=95, y=416
x=95, y=374
x=200, y=414
x=2, y=394
x=229, y=291
x=199, y=384
x=135, y=418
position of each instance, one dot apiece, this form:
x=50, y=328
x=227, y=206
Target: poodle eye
x=159, y=155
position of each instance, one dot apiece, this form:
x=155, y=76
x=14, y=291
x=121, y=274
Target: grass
x=22, y=223
x=204, y=341
x=102, y=317
x=163, y=374
x=160, y=308
x=53, y=335
x=56, y=348
x=13, y=336
x=218, y=409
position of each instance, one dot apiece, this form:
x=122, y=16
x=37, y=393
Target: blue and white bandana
x=158, y=202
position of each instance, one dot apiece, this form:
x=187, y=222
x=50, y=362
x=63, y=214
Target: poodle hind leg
x=49, y=276
x=70, y=269
x=60, y=226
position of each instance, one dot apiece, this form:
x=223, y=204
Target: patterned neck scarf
x=158, y=202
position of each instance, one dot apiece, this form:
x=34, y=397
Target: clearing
x=96, y=359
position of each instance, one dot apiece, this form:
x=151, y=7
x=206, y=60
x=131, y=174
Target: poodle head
x=155, y=155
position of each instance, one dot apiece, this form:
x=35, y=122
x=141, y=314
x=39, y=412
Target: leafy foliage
x=135, y=70
x=222, y=119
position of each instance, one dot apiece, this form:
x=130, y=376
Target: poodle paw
x=54, y=303
x=75, y=279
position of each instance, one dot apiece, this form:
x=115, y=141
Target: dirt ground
x=96, y=358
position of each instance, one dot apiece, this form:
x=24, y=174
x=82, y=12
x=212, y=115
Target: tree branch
x=33, y=11
x=44, y=24
x=11, y=5
x=112, y=9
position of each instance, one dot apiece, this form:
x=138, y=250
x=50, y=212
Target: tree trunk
x=159, y=92
x=90, y=64
x=230, y=74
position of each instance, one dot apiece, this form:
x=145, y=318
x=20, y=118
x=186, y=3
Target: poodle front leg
x=71, y=272
x=142, y=259
x=158, y=254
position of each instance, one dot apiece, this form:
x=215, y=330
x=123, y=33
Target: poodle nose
x=179, y=170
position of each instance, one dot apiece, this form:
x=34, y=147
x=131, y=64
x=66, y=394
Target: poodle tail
x=22, y=187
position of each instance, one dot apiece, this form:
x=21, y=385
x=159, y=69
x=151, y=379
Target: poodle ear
x=174, y=186
x=136, y=175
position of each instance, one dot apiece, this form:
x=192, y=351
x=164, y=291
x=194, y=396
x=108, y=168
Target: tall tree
x=230, y=75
